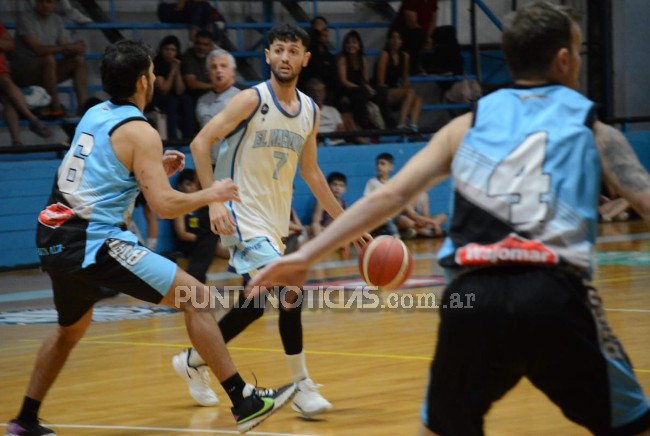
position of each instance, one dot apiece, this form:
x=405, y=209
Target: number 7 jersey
x=526, y=182
x=261, y=156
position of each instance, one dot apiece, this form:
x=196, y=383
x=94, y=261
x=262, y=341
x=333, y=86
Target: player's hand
x=221, y=221
x=361, y=243
x=173, y=160
x=290, y=270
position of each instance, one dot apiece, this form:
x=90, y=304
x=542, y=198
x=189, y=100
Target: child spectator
x=392, y=73
x=416, y=217
x=338, y=184
x=297, y=233
x=196, y=240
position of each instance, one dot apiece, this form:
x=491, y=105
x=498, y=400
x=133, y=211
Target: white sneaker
x=308, y=401
x=197, y=378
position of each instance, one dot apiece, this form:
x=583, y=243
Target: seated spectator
x=197, y=14
x=221, y=68
x=384, y=164
x=169, y=90
x=320, y=219
x=331, y=119
x=40, y=36
x=416, y=217
x=13, y=99
x=195, y=74
x=195, y=239
x=354, y=85
x=416, y=21
x=392, y=73
x=64, y=8
x=297, y=233
x=322, y=63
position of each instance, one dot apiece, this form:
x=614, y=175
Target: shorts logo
x=512, y=249
x=55, y=215
x=125, y=252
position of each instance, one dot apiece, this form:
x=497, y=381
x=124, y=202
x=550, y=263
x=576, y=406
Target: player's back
x=526, y=181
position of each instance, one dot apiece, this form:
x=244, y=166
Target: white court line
x=629, y=310
x=167, y=429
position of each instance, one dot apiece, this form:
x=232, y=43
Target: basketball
x=385, y=262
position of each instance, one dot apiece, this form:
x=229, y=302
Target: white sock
x=297, y=366
x=195, y=358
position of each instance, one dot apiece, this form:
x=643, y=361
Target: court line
x=167, y=429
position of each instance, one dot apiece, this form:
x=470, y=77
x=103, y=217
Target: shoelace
x=262, y=392
x=310, y=385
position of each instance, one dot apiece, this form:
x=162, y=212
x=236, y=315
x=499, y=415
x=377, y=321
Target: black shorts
x=77, y=289
x=541, y=323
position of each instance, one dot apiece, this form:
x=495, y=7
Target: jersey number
x=282, y=160
x=520, y=177
x=73, y=167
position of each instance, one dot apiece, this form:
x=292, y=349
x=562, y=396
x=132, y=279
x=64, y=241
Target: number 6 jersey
x=526, y=182
x=92, y=190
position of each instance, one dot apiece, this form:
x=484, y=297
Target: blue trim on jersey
x=279, y=106
x=628, y=402
x=313, y=107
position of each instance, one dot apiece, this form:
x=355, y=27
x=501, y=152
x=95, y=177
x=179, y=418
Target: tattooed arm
x=622, y=169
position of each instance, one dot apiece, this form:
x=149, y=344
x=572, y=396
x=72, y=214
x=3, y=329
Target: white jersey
x=262, y=156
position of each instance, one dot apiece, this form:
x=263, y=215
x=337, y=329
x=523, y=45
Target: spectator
x=352, y=71
x=384, y=164
x=331, y=120
x=392, y=73
x=63, y=8
x=416, y=21
x=13, y=99
x=297, y=233
x=169, y=90
x=221, y=67
x=196, y=240
x=195, y=75
x=40, y=36
x=320, y=219
x=322, y=63
x=197, y=14
x=416, y=216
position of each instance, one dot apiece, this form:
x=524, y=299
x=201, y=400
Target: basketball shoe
x=308, y=401
x=259, y=404
x=16, y=428
x=197, y=378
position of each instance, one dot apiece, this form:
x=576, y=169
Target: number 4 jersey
x=526, y=182
x=92, y=191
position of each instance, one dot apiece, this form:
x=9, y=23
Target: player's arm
x=622, y=169
x=424, y=170
x=313, y=176
x=238, y=109
x=139, y=148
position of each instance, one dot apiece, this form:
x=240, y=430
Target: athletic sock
x=234, y=387
x=29, y=411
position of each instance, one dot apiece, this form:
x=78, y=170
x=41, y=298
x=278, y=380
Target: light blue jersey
x=526, y=182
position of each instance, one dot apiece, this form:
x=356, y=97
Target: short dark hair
x=318, y=18
x=205, y=34
x=187, y=174
x=336, y=177
x=288, y=32
x=533, y=35
x=385, y=156
x=123, y=63
x=170, y=40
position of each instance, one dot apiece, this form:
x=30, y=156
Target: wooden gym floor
x=372, y=362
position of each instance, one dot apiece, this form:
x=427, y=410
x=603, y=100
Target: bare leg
x=80, y=80
x=416, y=109
x=16, y=97
x=49, y=80
x=201, y=326
x=53, y=354
x=11, y=116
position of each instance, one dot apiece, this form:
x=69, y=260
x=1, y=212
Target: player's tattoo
x=622, y=161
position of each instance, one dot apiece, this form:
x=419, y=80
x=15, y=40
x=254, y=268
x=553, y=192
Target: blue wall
x=27, y=183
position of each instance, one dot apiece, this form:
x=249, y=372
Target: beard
x=149, y=92
x=284, y=78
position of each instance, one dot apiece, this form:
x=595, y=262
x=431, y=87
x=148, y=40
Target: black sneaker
x=16, y=428
x=259, y=404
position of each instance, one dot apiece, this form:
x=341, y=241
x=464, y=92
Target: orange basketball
x=385, y=262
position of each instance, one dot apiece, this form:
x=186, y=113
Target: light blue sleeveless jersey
x=526, y=182
x=93, y=182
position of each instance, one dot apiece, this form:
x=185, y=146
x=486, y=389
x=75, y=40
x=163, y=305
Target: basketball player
x=526, y=168
x=84, y=245
x=267, y=131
